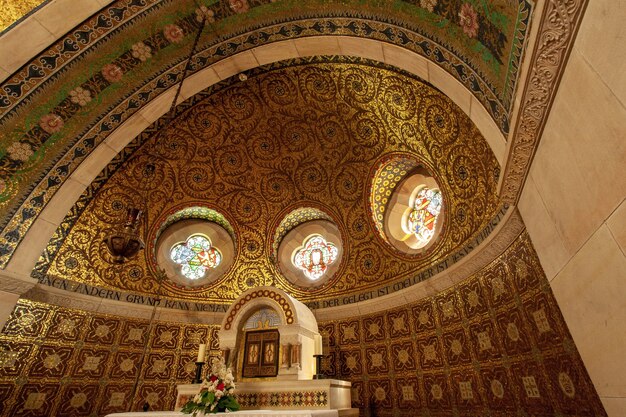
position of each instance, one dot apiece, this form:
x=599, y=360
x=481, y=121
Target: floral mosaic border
x=52, y=123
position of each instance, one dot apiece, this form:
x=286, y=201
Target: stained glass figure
x=314, y=256
x=423, y=218
x=195, y=255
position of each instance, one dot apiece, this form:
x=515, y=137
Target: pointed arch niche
x=296, y=326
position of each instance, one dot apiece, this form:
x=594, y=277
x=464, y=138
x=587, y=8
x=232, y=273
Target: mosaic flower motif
x=239, y=6
x=19, y=151
x=428, y=4
x=205, y=11
x=173, y=33
x=80, y=96
x=141, y=51
x=468, y=19
x=51, y=123
x=112, y=73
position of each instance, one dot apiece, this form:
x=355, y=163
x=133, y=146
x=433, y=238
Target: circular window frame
x=400, y=205
x=294, y=240
x=179, y=232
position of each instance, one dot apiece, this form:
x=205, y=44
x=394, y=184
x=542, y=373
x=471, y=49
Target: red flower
x=212, y=378
x=468, y=19
x=51, y=123
x=173, y=33
x=112, y=73
x=220, y=386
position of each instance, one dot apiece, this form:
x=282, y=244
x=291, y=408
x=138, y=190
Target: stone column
x=295, y=355
x=285, y=356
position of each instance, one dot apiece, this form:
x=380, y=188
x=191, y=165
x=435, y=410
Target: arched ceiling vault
x=437, y=45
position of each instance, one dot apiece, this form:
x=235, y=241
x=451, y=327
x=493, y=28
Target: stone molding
x=555, y=39
x=15, y=283
x=499, y=240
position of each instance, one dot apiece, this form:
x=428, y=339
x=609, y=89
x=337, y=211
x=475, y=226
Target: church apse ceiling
x=60, y=106
x=306, y=133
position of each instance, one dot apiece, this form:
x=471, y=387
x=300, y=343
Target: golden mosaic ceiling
x=301, y=135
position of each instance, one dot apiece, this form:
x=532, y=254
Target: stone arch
x=297, y=329
x=38, y=235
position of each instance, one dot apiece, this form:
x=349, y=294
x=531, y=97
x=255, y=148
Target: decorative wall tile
x=423, y=317
x=403, y=356
x=66, y=326
x=13, y=357
x=407, y=394
x=186, y=367
x=35, y=400
x=91, y=362
x=474, y=300
x=499, y=286
x=398, y=323
x=125, y=365
x=102, y=330
x=377, y=360
x=380, y=395
x=134, y=334
x=431, y=353
x=194, y=336
x=159, y=366
x=79, y=400
x=437, y=391
x=485, y=341
x=456, y=347
x=448, y=310
x=513, y=333
x=498, y=388
x=466, y=390
x=374, y=329
x=116, y=398
x=166, y=337
x=351, y=362
x=349, y=333
x=51, y=361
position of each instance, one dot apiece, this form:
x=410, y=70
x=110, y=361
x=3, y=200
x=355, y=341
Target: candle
x=201, y=352
x=317, y=339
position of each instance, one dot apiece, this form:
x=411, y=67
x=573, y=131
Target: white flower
x=20, y=151
x=141, y=51
x=80, y=96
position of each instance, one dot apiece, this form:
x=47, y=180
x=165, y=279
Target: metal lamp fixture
x=125, y=242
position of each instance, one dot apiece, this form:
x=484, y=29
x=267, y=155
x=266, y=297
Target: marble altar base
x=316, y=394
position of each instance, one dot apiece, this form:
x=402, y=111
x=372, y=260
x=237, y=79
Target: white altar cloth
x=243, y=413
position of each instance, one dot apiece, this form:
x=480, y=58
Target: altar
x=252, y=413
x=316, y=394
x=271, y=341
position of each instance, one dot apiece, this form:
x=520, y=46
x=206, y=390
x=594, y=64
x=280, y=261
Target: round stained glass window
x=196, y=255
x=422, y=218
x=314, y=256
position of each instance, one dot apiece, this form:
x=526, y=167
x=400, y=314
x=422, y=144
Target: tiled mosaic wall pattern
x=63, y=362
x=494, y=345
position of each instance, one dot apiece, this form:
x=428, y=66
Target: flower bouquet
x=216, y=392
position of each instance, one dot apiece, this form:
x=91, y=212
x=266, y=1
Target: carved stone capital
x=15, y=283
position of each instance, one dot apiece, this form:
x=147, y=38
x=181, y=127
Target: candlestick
x=198, y=377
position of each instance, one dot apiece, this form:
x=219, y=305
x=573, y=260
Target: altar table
x=244, y=413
